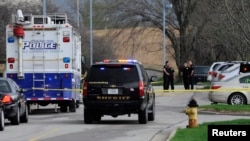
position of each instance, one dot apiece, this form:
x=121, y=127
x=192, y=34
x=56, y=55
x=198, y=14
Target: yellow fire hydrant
x=191, y=111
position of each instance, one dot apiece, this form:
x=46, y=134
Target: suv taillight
x=85, y=89
x=141, y=89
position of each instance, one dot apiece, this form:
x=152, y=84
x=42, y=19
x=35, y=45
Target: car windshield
x=4, y=86
x=113, y=73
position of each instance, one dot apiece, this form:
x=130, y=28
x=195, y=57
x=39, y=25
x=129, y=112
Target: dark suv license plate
x=112, y=91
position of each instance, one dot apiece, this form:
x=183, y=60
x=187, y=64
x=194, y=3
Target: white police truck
x=43, y=55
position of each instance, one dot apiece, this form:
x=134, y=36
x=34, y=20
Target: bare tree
x=227, y=29
x=182, y=29
x=102, y=49
x=238, y=15
x=201, y=30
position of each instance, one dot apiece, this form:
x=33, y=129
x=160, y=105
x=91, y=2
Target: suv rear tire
x=143, y=116
x=87, y=116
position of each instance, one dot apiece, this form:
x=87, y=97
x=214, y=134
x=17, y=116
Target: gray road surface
x=48, y=125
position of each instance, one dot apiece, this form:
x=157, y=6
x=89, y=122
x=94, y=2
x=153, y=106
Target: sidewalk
x=179, y=89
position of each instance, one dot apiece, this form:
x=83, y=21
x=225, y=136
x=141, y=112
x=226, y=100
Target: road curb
x=171, y=135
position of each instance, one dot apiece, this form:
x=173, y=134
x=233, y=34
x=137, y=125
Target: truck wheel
x=77, y=104
x=25, y=117
x=87, y=116
x=16, y=119
x=63, y=108
x=72, y=106
x=1, y=120
x=29, y=108
x=143, y=116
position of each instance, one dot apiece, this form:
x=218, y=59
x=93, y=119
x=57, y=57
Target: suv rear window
x=114, y=73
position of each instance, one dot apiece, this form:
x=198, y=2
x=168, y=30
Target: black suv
x=118, y=87
x=200, y=74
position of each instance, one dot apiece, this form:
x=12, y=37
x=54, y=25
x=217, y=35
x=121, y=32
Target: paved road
x=56, y=126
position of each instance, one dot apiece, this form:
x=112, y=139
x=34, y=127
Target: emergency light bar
x=120, y=60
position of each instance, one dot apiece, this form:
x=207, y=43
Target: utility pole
x=163, y=32
x=164, y=28
x=78, y=14
x=44, y=7
x=90, y=28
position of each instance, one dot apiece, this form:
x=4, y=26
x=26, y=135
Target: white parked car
x=234, y=91
x=212, y=69
x=229, y=72
x=219, y=69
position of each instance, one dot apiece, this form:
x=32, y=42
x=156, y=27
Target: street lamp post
x=44, y=7
x=163, y=31
x=78, y=14
x=91, y=36
x=164, y=6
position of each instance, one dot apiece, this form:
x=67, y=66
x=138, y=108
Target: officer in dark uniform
x=165, y=76
x=191, y=74
x=168, y=76
x=185, y=75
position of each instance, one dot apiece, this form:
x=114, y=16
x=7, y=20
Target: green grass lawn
x=225, y=108
x=200, y=133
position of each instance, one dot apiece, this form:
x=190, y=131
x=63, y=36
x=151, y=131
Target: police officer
x=165, y=76
x=191, y=74
x=168, y=76
x=185, y=75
